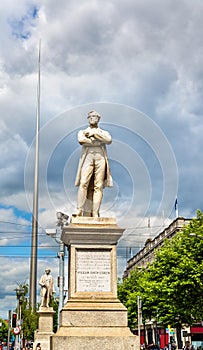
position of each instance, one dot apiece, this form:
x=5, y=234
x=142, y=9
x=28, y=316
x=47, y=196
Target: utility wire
x=127, y=228
x=14, y=223
x=40, y=256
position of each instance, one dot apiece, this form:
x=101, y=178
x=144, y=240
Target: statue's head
x=94, y=114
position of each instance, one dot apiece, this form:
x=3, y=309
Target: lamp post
x=62, y=219
x=178, y=331
x=155, y=332
x=20, y=294
x=9, y=329
x=139, y=317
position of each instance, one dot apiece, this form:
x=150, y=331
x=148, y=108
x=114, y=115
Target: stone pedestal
x=93, y=318
x=45, y=327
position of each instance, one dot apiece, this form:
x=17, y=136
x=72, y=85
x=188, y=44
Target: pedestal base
x=93, y=318
x=45, y=328
x=94, y=325
x=94, y=343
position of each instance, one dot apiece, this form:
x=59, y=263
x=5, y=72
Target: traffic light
x=14, y=319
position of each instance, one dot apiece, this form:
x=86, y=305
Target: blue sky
x=140, y=65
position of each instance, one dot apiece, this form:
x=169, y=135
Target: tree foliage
x=128, y=292
x=28, y=316
x=3, y=330
x=30, y=323
x=55, y=304
x=171, y=287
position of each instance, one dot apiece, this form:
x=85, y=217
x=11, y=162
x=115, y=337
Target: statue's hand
x=89, y=134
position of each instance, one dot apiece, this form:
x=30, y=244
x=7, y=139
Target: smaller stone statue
x=47, y=285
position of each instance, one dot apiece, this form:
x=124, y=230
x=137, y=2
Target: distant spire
x=33, y=258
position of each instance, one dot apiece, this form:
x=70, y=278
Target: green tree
x=55, y=304
x=128, y=292
x=29, y=318
x=30, y=323
x=175, y=279
x=3, y=330
x=172, y=286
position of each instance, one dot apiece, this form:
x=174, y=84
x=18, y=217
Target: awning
x=196, y=329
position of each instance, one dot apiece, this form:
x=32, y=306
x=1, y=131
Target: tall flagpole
x=176, y=208
x=34, y=246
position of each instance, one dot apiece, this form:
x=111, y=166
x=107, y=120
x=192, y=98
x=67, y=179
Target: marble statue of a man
x=93, y=170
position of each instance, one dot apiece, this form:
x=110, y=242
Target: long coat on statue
x=108, y=181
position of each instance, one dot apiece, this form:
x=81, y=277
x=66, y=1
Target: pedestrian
x=38, y=347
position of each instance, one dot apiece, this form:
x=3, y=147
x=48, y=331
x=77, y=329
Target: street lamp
x=20, y=294
x=178, y=331
x=62, y=219
x=139, y=317
x=9, y=329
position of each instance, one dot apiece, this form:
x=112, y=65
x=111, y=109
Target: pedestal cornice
x=88, y=230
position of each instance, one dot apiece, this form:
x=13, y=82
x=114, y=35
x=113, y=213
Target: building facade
x=146, y=254
x=151, y=332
